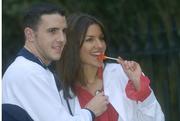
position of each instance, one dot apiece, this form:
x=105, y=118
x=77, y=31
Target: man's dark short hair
x=33, y=15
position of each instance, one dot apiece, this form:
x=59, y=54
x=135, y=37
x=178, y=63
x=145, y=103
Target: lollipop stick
x=111, y=58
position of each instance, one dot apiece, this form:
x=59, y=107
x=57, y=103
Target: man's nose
x=62, y=36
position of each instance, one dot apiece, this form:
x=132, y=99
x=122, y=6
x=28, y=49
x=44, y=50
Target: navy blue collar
x=30, y=56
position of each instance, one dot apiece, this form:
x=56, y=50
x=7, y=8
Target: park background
x=147, y=31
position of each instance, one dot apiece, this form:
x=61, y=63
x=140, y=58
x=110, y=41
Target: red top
x=84, y=97
x=110, y=114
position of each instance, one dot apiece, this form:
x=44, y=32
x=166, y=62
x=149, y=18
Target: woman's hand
x=98, y=104
x=132, y=70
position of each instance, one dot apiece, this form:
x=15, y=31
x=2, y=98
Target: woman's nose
x=99, y=43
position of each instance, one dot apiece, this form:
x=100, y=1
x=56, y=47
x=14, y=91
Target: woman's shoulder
x=114, y=74
x=113, y=67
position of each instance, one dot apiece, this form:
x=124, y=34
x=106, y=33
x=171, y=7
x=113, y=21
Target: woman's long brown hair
x=69, y=67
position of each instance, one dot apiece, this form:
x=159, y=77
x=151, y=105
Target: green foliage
x=119, y=16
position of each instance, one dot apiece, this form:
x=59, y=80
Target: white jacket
x=30, y=86
x=115, y=81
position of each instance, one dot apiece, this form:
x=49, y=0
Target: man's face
x=50, y=37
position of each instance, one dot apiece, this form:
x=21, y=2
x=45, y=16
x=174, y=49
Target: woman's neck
x=90, y=74
x=93, y=83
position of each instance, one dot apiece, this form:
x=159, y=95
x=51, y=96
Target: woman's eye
x=89, y=40
x=102, y=38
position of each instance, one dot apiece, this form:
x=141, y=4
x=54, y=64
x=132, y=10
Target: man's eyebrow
x=52, y=28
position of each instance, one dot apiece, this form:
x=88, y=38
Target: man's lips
x=57, y=48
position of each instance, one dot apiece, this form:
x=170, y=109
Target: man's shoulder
x=22, y=64
x=25, y=73
x=21, y=67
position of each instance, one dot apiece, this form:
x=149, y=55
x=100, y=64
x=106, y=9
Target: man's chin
x=56, y=58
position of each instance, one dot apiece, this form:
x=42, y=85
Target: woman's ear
x=29, y=34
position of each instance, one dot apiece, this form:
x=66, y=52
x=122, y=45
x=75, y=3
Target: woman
x=130, y=96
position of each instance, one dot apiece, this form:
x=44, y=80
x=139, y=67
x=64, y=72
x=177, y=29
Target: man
x=28, y=82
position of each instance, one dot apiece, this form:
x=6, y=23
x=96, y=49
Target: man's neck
x=35, y=53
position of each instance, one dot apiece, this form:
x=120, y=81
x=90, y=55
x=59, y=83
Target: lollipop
x=102, y=57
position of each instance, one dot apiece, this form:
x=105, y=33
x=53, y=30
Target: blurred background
x=147, y=31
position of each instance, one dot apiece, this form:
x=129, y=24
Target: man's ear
x=29, y=34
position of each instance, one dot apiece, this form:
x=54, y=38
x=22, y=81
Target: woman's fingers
x=128, y=65
x=120, y=60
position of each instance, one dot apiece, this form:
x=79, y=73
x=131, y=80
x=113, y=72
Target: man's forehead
x=53, y=19
x=52, y=16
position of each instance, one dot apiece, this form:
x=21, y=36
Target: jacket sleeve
x=36, y=93
x=149, y=109
x=141, y=94
x=146, y=106
x=115, y=84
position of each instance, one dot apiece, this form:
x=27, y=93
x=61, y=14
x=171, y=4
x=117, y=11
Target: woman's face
x=93, y=45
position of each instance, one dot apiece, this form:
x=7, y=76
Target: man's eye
x=52, y=30
x=65, y=30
